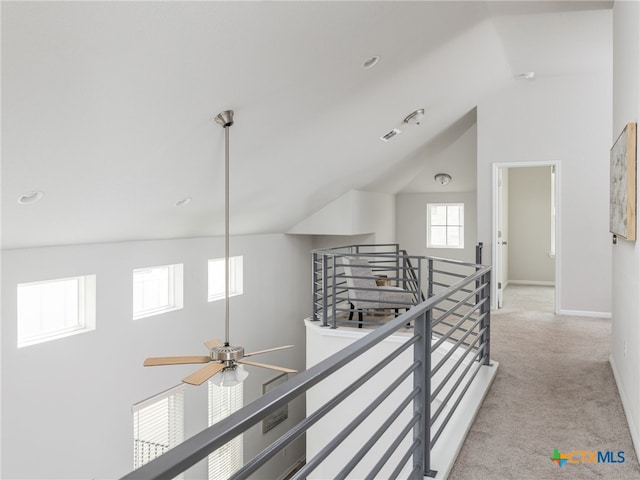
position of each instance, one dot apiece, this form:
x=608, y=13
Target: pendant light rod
x=225, y=119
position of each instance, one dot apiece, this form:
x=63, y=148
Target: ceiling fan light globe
x=230, y=377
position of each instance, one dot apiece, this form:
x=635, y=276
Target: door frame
x=494, y=230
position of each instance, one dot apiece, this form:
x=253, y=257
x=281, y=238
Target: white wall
x=411, y=224
x=321, y=242
x=354, y=213
x=565, y=119
x=66, y=407
x=626, y=255
x=530, y=226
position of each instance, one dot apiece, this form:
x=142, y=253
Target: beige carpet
x=554, y=390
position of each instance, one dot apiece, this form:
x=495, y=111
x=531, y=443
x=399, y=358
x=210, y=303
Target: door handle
x=504, y=243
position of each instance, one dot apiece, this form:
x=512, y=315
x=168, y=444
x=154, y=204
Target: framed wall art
x=282, y=413
x=622, y=190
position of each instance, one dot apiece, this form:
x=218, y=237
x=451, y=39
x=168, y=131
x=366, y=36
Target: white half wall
x=324, y=342
x=66, y=410
x=625, y=336
x=354, y=213
x=565, y=119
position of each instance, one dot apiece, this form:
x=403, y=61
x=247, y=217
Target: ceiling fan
x=223, y=357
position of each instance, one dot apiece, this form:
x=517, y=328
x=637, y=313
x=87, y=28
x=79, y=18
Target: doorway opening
x=526, y=253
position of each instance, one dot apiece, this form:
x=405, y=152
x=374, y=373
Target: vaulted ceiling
x=107, y=107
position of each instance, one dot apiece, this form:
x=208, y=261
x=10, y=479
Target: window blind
x=158, y=425
x=223, y=401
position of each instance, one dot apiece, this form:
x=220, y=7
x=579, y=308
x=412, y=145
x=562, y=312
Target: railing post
x=480, y=280
x=485, y=310
x=404, y=266
x=325, y=290
x=479, y=253
x=333, y=291
x=420, y=379
x=314, y=286
x=422, y=403
x=404, y=270
x=419, y=296
x=430, y=286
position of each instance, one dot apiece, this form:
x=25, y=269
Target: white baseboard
x=583, y=313
x=535, y=283
x=296, y=466
x=445, y=452
x=635, y=438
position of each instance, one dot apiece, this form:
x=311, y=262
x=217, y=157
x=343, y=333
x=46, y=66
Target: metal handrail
x=202, y=444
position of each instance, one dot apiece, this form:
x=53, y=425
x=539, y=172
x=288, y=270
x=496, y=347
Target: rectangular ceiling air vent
x=388, y=136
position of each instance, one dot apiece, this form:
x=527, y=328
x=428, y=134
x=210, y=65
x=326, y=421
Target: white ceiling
x=108, y=107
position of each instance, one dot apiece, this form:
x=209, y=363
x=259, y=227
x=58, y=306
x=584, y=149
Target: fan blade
x=213, y=343
x=154, y=361
x=264, y=365
x=204, y=374
x=267, y=350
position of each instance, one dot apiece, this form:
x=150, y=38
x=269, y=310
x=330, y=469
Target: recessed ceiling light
x=371, y=62
x=30, y=198
x=183, y=202
x=527, y=75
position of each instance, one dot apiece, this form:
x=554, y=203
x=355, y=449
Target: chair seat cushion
x=394, y=297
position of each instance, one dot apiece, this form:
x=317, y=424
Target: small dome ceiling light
x=30, y=198
x=527, y=76
x=183, y=202
x=371, y=62
x=415, y=117
x=442, y=178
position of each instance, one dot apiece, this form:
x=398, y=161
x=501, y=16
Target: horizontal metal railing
x=438, y=378
x=415, y=274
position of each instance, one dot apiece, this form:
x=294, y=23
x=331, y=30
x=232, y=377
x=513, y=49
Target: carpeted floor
x=554, y=390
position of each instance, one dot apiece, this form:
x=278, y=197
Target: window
x=157, y=290
x=158, y=425
x=445, y=225
x=223, y=401
x=216, y=278
x=54, y=309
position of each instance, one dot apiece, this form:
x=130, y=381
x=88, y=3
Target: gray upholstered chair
x=365, y=294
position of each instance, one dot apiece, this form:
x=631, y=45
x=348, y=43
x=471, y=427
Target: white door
x=501, y=235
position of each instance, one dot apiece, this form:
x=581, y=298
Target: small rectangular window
x=445, y=225
x=157, y=290
x=54, y=309
x=158, y=425
x=216, y=278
